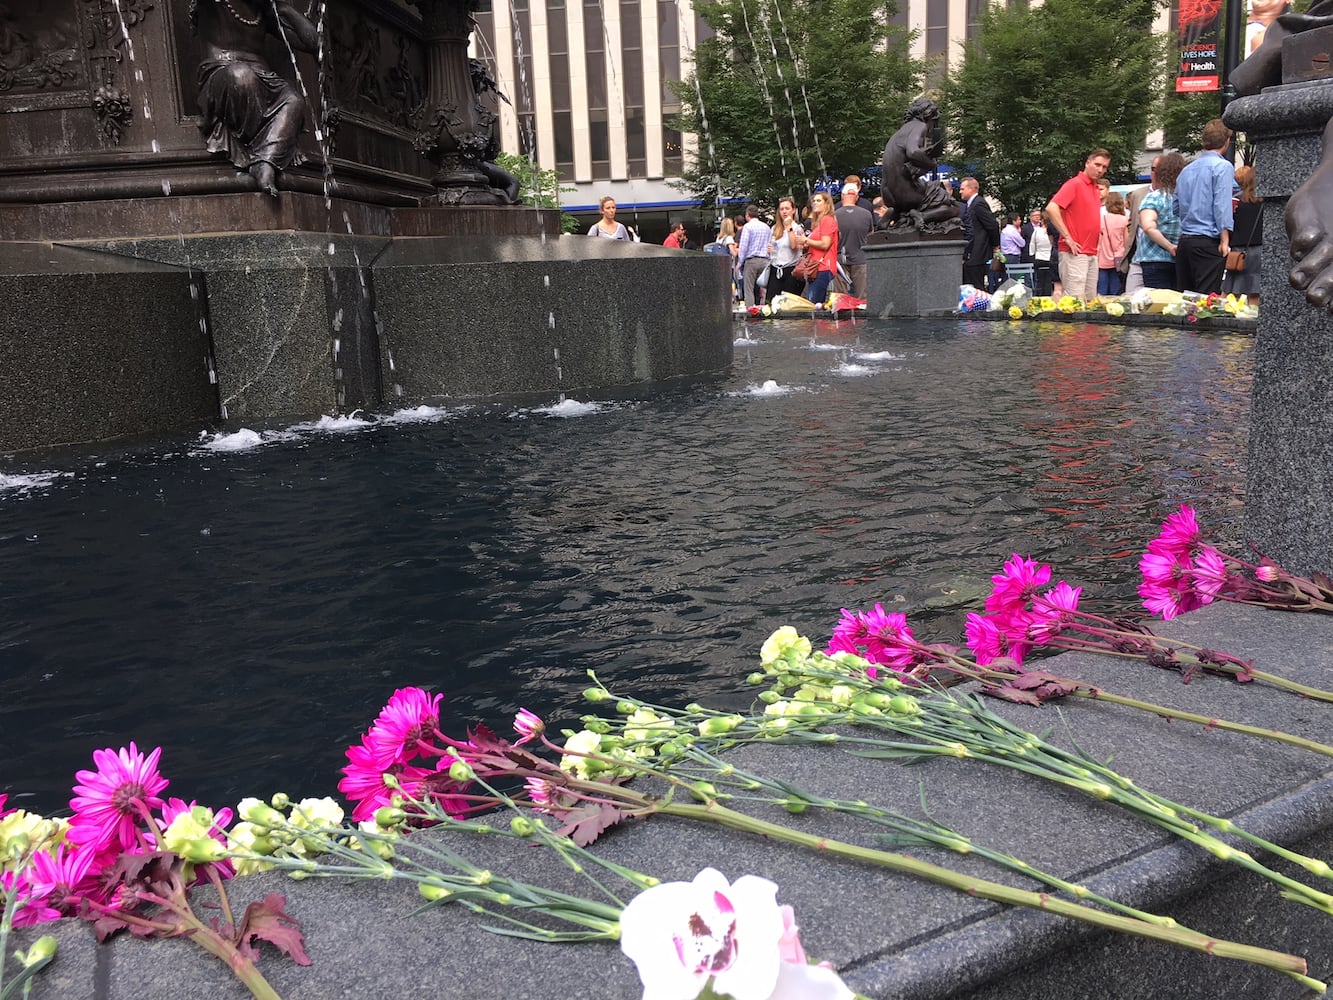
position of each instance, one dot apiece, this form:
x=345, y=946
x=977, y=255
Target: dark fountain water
x=250, y=609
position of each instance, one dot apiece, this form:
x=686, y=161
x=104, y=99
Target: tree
x=1040, y=87
x=786, y=92
x=538, y=187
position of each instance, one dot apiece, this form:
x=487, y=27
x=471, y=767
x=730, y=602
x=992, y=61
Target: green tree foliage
x=769, y=124
x=1040, y=87
x=538, y=187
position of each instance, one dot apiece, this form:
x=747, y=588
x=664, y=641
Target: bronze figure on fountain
x=250, y=112
x=910, y=154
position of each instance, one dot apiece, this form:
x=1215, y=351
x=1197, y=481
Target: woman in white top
x=783, y=252
x=607, y=226
x=1039, y=246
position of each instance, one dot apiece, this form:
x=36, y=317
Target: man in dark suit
x=980, y=230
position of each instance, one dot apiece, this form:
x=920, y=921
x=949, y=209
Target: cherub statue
x=250, y=112
x=1309, y=215
x=908, y=156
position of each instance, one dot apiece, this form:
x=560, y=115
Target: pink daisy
x=1209, y=573
x=528, y=725
x=891, y=638
x=408, y=724
x=1020, y=581
x=110, y=803
x=364, y=785
x=3, y=810
x=1051, y=611
x=850, y=635
x=989, y=638
x=1180, y=531
x=53, y=884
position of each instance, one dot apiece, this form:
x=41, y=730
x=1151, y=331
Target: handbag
x=762, y=280
x=1236, y=258
x=807, y=268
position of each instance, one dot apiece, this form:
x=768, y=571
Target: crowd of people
x=828, y=236
x=1195, y=226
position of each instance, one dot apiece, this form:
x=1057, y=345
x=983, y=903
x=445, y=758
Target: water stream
x=249, y=599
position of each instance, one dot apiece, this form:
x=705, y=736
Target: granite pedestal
x=1289, y=501
x=913, y=279
x=292, y=325
x=94, y=346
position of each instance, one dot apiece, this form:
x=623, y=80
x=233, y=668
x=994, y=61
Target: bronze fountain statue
x=909, y=155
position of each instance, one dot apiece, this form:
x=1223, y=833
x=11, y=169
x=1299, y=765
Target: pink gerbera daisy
x=990, y=638
x=408, y=725
x=365, y=787
x=1209, y=573
x=3, y=810
x=110, y=803
x=1051, y=611
x=891, y=638
x=1020, y=581
x=850, y=635
x=52, y=885
x=528, y=725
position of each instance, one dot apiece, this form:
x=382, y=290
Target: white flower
x=681, y=934
x=582, y=742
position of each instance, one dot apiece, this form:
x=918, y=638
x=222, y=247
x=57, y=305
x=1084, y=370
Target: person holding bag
x=784, y=252
x=1244, y=262
x=821, y=247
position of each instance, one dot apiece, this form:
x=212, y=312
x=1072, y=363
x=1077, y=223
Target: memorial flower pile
x=128, y=855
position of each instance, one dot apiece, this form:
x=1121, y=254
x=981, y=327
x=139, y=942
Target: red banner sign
x=1200, y=59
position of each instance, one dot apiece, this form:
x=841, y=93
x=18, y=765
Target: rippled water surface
x=251, y=609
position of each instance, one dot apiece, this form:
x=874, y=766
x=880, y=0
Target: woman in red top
x=822, y=243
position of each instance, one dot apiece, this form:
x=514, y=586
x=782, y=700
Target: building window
x=600, y=140
x=523, y=77
x=594, y=57
x=673, y=158
x=937, y=28
x=557, y=38
x=631, y=61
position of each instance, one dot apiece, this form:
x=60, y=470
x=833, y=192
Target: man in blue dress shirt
x=1203, y=192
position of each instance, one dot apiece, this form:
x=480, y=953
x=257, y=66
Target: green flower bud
x=42, y=950
x=769, y=697
x=435, y=893
x=904, y=704
x=522, y=826
x=483, y=877
x=626, y=707
x=597, y=726
x=389, y=817
x=595, y=694
x=703, y=791
x=719, y=725
x=794, y=805
x=694, y=707
x=461, y=771
x=280, y=800
x=756, y=678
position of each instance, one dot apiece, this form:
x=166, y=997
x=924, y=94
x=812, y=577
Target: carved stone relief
x=39, y=52
x=376, y=70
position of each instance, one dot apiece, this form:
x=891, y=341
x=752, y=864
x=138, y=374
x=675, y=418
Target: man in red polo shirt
x=1076, y=211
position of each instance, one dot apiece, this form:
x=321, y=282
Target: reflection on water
x=251, y=609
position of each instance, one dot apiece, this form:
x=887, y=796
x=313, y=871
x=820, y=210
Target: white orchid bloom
x=682, y=934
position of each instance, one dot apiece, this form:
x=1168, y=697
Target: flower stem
x=714, y=812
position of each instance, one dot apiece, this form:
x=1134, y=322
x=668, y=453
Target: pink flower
x=528, y=725
x=991, y=637
x=1180, y=531
x=878, y=636
x=789, y=945
x=539, y=793
x=365, y=787
x=1209, y=573
x=407, y=725
x=53, y=884
x=3, y=810
x=1265, y=574
x=1051, y=611
x=111, y=802
x=1019, y=582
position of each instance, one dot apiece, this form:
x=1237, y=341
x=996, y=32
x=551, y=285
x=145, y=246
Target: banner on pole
x=1200, y=61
